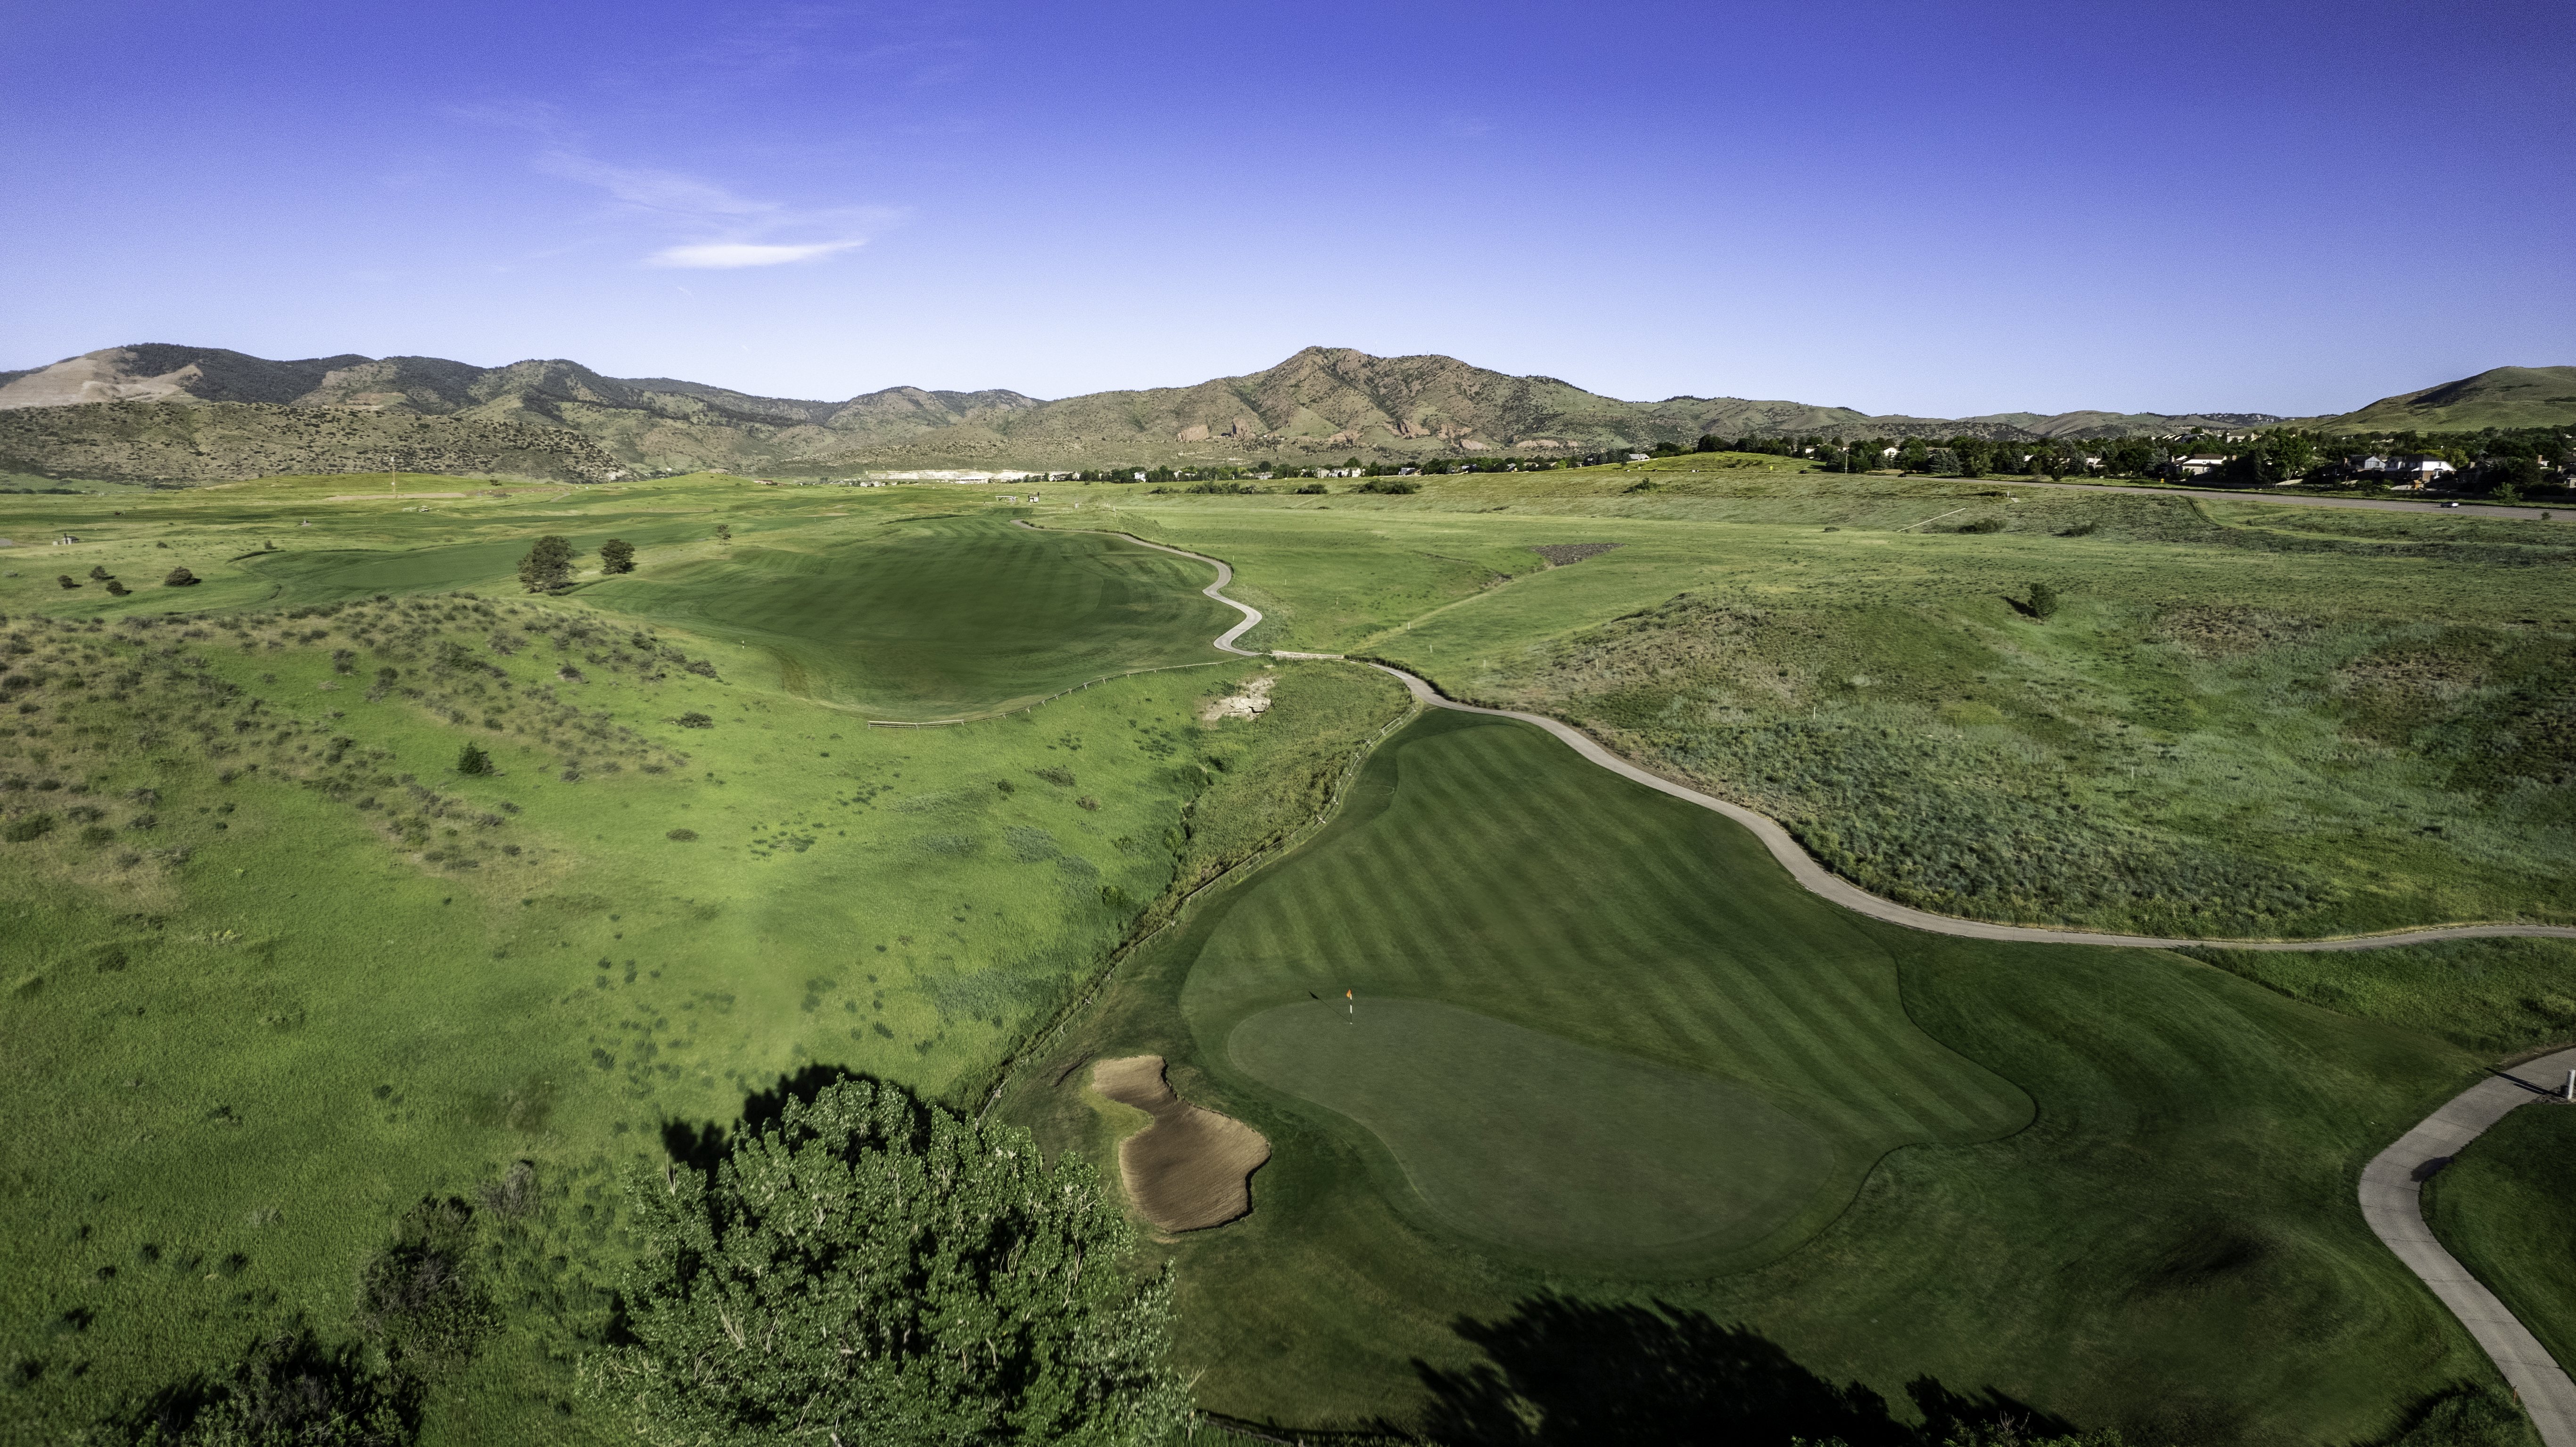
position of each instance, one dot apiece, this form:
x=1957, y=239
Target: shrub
x=32, y=827
x=682, y=835
x=2043, y=600
x=1313, y=489
x=97, y=834
x=116, y=589
x=1982, y=525
x=66, y=580
x=179, y=578
x=694, y=720
x=473, y=760
x=1061, y=778
x=98, y=572
x=421, y=1300
x=1397, y=485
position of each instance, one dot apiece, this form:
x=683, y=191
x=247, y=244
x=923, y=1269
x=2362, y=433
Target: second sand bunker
x=1192, y=1168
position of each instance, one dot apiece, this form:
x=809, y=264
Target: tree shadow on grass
x=699, y=1145
x=1564, y=1372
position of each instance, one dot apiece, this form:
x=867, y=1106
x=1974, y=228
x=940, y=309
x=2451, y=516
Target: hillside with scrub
x=436, y=918
x=167, y=413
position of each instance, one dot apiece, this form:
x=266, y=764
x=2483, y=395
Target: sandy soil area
x=1192, y=1168
x=1252, y=702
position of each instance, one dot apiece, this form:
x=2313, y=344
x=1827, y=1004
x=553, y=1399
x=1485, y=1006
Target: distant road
x=2562, y=513
x=1821, y=881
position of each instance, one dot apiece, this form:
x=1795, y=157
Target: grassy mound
x=935, y=619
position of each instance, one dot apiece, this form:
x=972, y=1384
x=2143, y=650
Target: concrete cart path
x=2392, y=1200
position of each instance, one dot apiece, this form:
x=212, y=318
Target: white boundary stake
x=1936, y=517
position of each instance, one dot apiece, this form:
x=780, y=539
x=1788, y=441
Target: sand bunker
x=1252, y=702
x=1192, y=1168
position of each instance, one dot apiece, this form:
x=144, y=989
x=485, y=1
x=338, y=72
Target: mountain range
x=192, y=414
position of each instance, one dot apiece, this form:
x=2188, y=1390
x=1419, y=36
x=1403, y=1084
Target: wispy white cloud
x=728, y=230
x=726, y=255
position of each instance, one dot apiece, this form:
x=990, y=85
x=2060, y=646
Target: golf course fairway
x=1604, y=1028
x=942, y=617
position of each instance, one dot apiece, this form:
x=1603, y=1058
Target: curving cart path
x=2391, y=1185
x=1802, y=866
x=2392, y=1200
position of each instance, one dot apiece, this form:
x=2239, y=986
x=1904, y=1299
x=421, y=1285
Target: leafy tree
x=2043, y=601
x=473, y=760
x=2509, y=478
x=547, y=566
x=617, y=556
x=875, y=1270
x=98, y=572
x=1914, y=456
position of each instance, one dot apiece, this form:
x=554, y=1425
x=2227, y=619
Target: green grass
x=942, y=618
x=2179, y=1184
x=1529, y=1140
x=2506, y=1207
x=1478, y=867
x=2498, y=997
x=1930, y=1171
x=2242, y=719
x=334, y=976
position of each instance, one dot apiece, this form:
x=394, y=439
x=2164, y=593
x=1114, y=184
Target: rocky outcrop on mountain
x=159, y=441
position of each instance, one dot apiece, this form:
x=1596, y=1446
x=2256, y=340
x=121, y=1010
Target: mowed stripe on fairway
x=943, y=617
x=1485, y=866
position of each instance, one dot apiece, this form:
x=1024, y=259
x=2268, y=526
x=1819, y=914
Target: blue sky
x=1944, y=210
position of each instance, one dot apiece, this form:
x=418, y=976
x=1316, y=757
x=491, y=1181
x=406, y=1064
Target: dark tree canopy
x=547, y=566
x=874, y=1270
x=617, y=556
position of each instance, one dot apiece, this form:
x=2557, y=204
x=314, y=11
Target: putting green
x=943, y=617
x=1629, y=960
x=1529, y=1139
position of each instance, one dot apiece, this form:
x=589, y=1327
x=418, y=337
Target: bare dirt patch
x=1192, y=1168
x=1251, y=702
x=1559, y=555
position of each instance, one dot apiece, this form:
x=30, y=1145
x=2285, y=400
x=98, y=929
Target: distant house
x=2200, y=462
x=2410, y=469
x=1638, y=457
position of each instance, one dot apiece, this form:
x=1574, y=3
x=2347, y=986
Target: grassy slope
x=2185, y=1189
x=2244, y=717
x=2507, y=1208
x=1478, y=864
x=325, y=1011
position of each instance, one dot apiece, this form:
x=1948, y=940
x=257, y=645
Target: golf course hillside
x=1600, y=1025
x=430, y=909
x=941, y=618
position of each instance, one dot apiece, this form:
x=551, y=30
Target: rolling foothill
x=592, y=936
